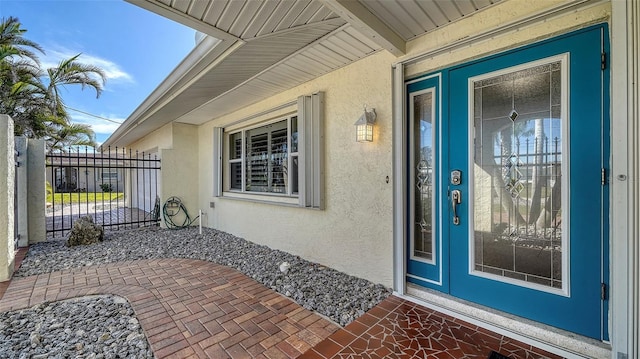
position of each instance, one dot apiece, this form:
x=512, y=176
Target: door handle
x=456, y=199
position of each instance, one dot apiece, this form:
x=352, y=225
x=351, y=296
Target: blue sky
x=136, y=48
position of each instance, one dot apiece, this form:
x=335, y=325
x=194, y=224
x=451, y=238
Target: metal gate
x=16, y=235
x=118, y=188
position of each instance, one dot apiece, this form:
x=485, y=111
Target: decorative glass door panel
x=423, y=121
x=424, y=248
x=518, y=120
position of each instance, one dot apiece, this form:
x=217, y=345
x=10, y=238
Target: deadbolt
x=456, y=177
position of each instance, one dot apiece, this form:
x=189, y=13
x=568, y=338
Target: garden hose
x=172, y=209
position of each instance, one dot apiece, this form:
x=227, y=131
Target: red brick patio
x=190, y=308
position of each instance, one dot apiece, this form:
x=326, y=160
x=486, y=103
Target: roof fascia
x=202, y=58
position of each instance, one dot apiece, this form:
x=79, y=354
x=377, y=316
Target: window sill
x=262, y=198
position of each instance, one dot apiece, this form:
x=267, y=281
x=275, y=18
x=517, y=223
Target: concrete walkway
x=197, y=309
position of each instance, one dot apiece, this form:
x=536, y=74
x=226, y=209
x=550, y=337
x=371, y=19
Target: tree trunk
x=553, y=203
x=536, y=196
x=508, y=203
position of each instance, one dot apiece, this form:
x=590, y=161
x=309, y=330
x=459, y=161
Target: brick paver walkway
x=188, y=308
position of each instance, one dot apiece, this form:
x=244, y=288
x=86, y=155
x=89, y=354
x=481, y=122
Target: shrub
x=106, y=187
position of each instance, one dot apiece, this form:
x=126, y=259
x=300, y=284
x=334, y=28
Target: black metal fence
x=530, y=185
x=118, y=188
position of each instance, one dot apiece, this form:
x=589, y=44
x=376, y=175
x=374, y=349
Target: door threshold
x=553, y=340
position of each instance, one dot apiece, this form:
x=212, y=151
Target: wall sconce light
x=364, y=126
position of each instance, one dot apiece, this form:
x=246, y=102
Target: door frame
x=537, y=333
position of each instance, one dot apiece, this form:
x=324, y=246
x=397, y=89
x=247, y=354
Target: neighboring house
x=80, y=172
x=135, y=175
x=500, y=185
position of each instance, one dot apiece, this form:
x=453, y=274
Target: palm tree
x=71, y=72
x=32, y=97
x=20, y=84
x=22, y=97
x=69, y=135
x=13, y=43
x=21, y=89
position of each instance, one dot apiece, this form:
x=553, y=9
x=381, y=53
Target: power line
x=92, y=115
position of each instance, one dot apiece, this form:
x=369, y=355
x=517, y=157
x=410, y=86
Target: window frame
x=100, y=174
x=309, y=112
x=244, y=158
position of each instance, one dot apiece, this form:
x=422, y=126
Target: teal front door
x=508, y=182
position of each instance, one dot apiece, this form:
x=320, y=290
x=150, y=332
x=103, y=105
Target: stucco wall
x=179, y=173
x=36, y=197
x=160, y=138
x=357, y=222
x=176, y=145
x=7, y=173
x=354, y=232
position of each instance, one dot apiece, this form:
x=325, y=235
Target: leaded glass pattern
x=423, y=127
x=517, y=175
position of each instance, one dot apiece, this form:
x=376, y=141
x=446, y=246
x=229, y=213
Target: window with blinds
x=235, y=161
x=279, y=161
x=266, y=159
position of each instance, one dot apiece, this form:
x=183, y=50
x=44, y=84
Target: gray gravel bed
x=89, y=327
x=334, y=294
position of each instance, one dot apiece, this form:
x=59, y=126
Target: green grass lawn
x=83, y=197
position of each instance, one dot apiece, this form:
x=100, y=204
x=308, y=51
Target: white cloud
x=98, y=125
x=104, y=128
x=112, y=70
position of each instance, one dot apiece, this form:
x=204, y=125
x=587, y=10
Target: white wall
x=36, y=196
x=7, y=173
x=160, y=138
x=357, y=222
x=354, y=232
x=177, y=147
x=179, y=173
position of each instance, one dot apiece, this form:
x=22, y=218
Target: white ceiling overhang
x=259, y=48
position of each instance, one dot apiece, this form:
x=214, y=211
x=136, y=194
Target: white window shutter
x=311, y=141
x=218, y=143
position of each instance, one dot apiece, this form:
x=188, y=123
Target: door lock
x=456, y=177
x=456, y=199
